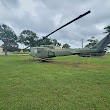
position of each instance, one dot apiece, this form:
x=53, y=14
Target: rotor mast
x=80, y=16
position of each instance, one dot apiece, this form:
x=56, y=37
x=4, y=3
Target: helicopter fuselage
x=45, y=52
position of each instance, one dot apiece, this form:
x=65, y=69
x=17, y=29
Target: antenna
x=80, y=16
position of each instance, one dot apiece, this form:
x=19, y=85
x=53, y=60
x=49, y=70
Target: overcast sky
x=44, y=16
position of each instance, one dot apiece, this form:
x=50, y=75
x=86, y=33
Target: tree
x=28, y=38
x=55, y=42
x=8, y=37
x=66, y=46
x=58, y=44
x=13, y=47
x=92, y=42
x=107, y=30
x=47, y=41
x=44, y=41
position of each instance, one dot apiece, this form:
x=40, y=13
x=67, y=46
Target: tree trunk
x=5, y=50
x=5, y=47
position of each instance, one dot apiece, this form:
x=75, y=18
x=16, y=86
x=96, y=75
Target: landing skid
x=45, y=60
x=41, y=60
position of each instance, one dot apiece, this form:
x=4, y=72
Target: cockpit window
x=35, y=51
x=38, y=51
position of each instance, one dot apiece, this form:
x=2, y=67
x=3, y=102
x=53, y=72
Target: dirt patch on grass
x=74, y=64
x=78, y=64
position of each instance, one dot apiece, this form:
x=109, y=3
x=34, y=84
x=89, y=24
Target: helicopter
x=49, y=51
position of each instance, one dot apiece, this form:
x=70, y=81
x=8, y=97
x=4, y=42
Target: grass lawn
x=66, y=83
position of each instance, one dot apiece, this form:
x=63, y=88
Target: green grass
x=67, y=83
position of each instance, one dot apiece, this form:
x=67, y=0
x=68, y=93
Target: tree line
x=27, y=37
x=30, y=39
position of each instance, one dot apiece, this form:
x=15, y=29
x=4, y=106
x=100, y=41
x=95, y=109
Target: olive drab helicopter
x=48, y=51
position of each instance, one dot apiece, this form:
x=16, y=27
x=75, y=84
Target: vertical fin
x=101, y=45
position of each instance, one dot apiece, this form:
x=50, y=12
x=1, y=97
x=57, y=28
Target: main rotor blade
x=80, y=16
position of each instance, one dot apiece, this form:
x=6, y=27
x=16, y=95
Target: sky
x=45, y=16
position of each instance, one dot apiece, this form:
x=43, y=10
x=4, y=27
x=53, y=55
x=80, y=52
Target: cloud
x=44, y=16
x=9, y=3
